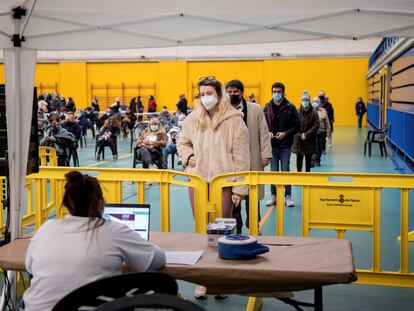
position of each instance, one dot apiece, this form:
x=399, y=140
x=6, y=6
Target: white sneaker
x=289, y=202
x=272, y=201
x=200, y=292
x=153, y=167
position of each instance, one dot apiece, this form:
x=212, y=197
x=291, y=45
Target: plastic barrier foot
x=410, y=236
x=254, y=304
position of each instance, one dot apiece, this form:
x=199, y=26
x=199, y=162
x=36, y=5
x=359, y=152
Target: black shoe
x=318, y=164
x=220, y=297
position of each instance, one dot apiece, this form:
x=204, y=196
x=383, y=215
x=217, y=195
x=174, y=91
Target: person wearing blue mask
x=304, y=143
x=150, y=145
x=283, y=121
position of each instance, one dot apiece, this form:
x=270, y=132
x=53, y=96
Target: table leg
x=318, y=299
x=254, y=304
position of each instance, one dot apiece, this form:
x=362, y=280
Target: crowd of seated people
x=117, y=119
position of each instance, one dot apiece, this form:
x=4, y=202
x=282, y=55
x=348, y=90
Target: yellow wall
x=73, y=82
x=342, y=79
x=117, y=73
x=172, y=83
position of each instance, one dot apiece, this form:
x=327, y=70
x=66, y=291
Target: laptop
x=135, y=216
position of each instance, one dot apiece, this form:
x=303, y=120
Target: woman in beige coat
x=214, y=140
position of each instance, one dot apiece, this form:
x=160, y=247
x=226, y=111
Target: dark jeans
x=299, y=162
x=237, y=214
x=359, y=116
x=320, y=141
x=148, y=157
x=169, y=149
x=282, y=155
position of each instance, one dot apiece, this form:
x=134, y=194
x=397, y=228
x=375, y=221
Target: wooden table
x=293, y=264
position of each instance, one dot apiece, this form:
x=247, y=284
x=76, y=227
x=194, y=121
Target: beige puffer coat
x=217, y=150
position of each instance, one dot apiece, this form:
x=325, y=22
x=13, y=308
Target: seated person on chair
x=60, y=139
x=173, y=135
x=107, y=137
x=101, y=120
x=150, y=145
x=83, y=247
x=84, y=118
x=72, y=126
x=164, y=116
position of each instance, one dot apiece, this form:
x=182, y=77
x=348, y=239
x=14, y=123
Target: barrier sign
x=353, y=206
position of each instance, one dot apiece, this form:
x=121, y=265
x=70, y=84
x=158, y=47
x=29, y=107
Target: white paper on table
x=183, y=258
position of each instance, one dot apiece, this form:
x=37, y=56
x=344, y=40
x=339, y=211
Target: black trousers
x=110, y=142
x=299, y=161
x=148, y=157
x=320, y=141
x=236, y=213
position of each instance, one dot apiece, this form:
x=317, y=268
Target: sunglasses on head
x=210, y=78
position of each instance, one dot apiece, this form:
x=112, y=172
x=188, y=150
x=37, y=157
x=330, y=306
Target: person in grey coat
x=259, y=140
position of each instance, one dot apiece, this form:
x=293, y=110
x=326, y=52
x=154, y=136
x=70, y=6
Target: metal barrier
x=329, y=201
x=111, y=181
x=332, y=201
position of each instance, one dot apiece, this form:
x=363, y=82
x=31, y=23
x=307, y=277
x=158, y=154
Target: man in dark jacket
x=182, y=104
x=360, y=110
x=283, y=122
x=70, y=105
x=58, y=103
x=72, y=126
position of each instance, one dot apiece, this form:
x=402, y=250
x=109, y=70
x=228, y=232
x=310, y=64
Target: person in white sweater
x=66, y=254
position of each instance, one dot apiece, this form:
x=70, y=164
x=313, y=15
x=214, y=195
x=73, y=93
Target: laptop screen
x=135, y=216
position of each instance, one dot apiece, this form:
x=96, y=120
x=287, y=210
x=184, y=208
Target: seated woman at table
x=81, y=248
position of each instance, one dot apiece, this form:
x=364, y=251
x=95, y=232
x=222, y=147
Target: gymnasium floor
x=345, y=156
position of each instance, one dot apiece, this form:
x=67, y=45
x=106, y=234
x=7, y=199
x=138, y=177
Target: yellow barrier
x=48, y=156
x=111, y=181
x=329, y=201
x=332, y=201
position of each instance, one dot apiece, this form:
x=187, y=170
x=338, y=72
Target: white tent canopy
x=97, y=24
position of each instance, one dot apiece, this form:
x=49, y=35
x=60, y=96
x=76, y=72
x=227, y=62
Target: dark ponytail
x=83, y=197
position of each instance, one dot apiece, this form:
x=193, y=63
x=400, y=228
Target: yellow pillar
x=172, y=83
x=73, y=84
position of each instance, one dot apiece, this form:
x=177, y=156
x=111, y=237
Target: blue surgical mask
x=154, y=127
x=277, y=97
x=315, y=105
x=305, y=104
x=180, y=123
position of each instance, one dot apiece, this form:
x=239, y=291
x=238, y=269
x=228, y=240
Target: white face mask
x=209, y=101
